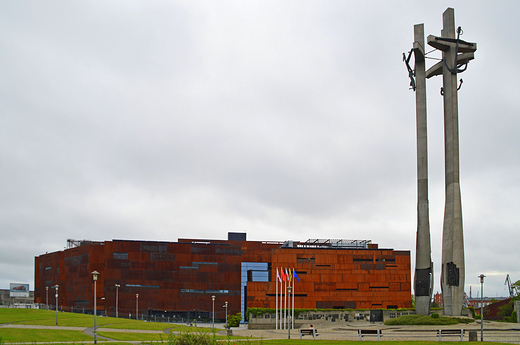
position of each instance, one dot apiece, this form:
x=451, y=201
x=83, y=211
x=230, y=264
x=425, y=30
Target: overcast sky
x=159, y=120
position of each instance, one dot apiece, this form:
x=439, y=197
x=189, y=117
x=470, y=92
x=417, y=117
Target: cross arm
x=437, y=68
x=443, y=43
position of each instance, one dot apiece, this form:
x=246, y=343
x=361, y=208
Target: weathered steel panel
x=183, y=276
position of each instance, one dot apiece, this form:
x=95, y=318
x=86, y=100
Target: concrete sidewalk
x=493, y=331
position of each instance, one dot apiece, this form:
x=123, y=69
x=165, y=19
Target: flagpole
x=281, y=304
x=276, y=299
x=285, y=309
x=292, y=316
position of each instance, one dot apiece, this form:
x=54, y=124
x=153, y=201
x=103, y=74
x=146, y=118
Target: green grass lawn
x=134, y=336
x=48, y=318
x=8, y=335
x=152, y=336
x=336, y=342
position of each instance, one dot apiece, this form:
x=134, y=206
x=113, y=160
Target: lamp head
x=213, y=297
x=481, y=278
x=94, y=275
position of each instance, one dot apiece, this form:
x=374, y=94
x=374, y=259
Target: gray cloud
x=288, y=120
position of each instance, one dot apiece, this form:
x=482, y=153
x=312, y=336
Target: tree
x=516, y=288
x=507, y=311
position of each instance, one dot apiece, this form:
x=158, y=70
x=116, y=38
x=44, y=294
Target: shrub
x=435, y=316
x=234, y=320
x=186, y=338
x=511, y=318
x=426, y=320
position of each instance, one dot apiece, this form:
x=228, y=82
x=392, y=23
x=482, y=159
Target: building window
x=120, y=256
x=217, y=291
x=192, y=291
x=253, y=272
x=143, y=286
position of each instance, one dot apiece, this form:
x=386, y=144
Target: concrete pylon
x=453, y=270
x=423, y=264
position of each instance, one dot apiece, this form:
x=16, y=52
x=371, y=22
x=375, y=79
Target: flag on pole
x=281, y=304
x=278, y=276
x=286, y=279
x=283, y=275
x=288, y=275
x=296, y=276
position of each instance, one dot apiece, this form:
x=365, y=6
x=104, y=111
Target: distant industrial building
x=178, y=279
x=475, y=302
x=8, y=299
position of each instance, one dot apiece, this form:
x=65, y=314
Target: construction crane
x=508, y=283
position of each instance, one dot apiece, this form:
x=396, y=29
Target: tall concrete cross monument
x=423, y=280
x=455, y=56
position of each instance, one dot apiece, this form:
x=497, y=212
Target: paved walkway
x=493, y=331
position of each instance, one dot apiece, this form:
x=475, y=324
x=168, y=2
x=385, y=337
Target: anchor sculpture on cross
x=411, y=73
x=464, y=52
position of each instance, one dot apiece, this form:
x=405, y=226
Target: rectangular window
x=258, y=276
x=251, y=271
x=143, y=286
x=120, y=256
x=217, y=291
x=191, y=291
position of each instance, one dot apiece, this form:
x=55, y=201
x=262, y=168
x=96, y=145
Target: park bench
x=308, y=331
x=364, y=332
x=452, y=332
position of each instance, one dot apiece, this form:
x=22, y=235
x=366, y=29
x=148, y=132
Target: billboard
x=18, y=290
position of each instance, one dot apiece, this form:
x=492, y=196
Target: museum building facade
x=179, y=279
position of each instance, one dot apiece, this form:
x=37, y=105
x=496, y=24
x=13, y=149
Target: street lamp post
x=94, y=278
x=289, y=288
x=137, y=306
x=117, y=299
x=213, y=312
x=47, y=297
x=481, y=307
x=57, y=286
x=225, y=306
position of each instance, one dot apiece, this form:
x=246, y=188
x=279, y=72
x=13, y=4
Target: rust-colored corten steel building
x=180, y=278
